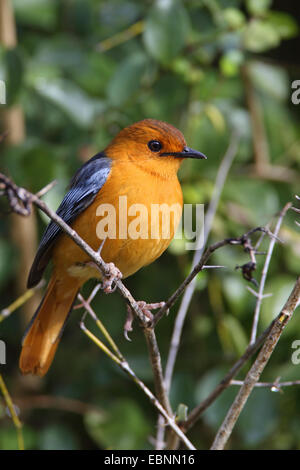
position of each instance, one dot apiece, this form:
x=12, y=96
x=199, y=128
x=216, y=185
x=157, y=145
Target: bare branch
x=260, y=294
x=155, y=359
x=123, y=364
x=275, y=386
x=154, y=354
x=196, y=413
x=5, y=312
x=88, y=308
x=247, y=268
x=257, y=368
x=13, y=414
x=46, y=188
x=119, y=38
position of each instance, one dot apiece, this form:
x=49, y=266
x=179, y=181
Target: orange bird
x=139, y=165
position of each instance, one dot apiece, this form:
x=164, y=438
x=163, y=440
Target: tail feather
x=46, y=327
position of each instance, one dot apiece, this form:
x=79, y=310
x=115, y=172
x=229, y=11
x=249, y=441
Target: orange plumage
x=141, y=163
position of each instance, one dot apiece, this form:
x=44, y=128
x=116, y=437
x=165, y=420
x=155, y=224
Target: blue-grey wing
x=84, y=187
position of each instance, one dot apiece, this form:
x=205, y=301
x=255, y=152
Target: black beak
x=191, y=153
x=187, y=152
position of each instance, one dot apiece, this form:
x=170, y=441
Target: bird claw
x=128, y=323
x=145, y=308
x=114, y=275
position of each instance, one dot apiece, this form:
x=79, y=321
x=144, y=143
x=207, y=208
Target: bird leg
x=145, y=308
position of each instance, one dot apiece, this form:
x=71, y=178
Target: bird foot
x=113, y=276
x=145, y=308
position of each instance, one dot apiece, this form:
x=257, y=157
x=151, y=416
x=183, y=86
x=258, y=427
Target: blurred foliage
x=82, y=70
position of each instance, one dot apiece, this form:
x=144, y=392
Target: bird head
x=152, y=145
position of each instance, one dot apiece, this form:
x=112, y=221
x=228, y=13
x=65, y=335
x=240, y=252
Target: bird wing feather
x=84, y=187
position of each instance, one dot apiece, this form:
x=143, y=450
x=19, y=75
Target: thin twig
x=126, y=368
x=159, y=383
x=274, y=386
x=13, y=414
x=99, y=343
x=257, y=368
x=119, y=38
x=86, y=305
x=91, y=296
x=5, y=312
x=295, y=209
x=196, y=413
x=243, y=240
x=155, y=359
x=46, y=188
x=260, y=294
x=154, y=354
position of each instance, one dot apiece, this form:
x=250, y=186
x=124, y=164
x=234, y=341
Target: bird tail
x=45, y=329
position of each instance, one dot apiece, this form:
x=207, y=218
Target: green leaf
x=118, y=14
x=255, y=197
x=71, y=99
x=235, y=291
x=96, y=75
x=170, y=94
x=33, y=164
x=166, y=29
x=284, y=24
x=233, y=331
x=270, y=79
x=181, y=412
x=231, y=61
x=62, y=51
x=40, y=13
x=127, y=78
x=258, y=7
x=260, y=35
x=234, y=18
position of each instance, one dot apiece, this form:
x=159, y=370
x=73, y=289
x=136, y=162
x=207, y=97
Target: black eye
x=154, y=145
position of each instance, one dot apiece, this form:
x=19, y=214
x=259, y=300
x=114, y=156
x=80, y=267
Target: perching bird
x=140, y=163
